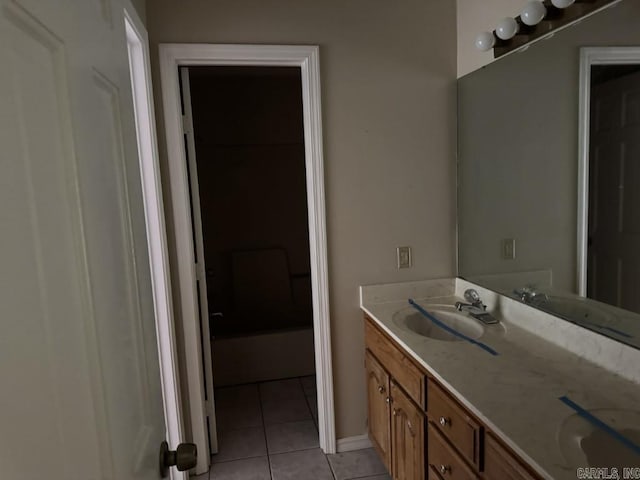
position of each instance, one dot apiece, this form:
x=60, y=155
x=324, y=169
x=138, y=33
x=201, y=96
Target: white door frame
x=591, y=56
x=172, y=56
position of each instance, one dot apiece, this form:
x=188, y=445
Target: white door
x=80, y=390
x=613, y=273
x=204, y=427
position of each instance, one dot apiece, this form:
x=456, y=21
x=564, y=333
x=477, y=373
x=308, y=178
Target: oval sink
x=416, y=322
x=582, y=443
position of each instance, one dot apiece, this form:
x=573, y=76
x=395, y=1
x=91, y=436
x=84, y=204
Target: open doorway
x=191, y=274
x=245, y=148
x=249, y=151
x=609, y=176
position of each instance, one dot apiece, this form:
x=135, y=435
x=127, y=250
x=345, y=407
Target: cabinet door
x=379, y=409
x=499, y=464
x=407, y=437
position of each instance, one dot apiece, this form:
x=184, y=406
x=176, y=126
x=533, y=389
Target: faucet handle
x=473, y=298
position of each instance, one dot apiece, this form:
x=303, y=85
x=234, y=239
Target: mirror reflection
x=549, y=174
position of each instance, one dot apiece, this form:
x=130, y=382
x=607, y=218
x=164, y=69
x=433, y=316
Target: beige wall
x=388, y=99
x=479, y=16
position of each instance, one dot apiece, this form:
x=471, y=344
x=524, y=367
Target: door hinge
x=186, y=125
x=199, y=272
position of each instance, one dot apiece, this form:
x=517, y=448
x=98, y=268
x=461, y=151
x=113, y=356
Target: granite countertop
x=515, y=393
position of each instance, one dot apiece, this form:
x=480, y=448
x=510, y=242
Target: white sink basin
x=582, y=443
x=416, y=322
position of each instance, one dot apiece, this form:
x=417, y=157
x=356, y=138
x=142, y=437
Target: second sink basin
x=416, y=322
x=582, y=443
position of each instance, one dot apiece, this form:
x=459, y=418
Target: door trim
x=173, y=56
x=591, y=56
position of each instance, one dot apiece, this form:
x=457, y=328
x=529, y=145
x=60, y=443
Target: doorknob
x=183, y=458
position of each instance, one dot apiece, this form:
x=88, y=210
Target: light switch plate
x=508, y=246
x=403, y=255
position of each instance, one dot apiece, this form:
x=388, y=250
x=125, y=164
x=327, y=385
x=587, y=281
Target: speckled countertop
x=516, y=393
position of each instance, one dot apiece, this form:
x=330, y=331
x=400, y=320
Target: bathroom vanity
x=501, y=401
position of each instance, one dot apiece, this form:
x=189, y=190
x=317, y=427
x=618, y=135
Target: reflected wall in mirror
x=521, y=227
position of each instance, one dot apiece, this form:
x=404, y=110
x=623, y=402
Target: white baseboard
x=353, y=443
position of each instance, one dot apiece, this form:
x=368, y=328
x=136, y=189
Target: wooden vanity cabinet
x=395, y=396
x=420, y=430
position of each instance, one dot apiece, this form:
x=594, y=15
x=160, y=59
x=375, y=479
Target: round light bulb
x=485, y=41
x=562, y=3
x=507, y=28
x=533, y=13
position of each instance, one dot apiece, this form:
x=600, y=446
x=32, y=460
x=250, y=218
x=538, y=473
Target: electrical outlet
x=403, y=256
x=508, y=248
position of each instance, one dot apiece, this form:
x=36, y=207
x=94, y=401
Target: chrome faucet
x=475, y=307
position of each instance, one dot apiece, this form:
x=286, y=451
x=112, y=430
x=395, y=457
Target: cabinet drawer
x=444, y=459
x=399, y=365
x=500, y=464
x=453, y=421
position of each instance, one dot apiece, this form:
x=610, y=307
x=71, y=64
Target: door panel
x=379, y=409
x=614, y=221
x=81, y=393
x=408, y=450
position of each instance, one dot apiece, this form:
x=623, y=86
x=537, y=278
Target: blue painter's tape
x=600, y=424
x=452, y=331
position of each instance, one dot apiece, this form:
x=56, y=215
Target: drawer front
x=399, y=365
x=454, y=423
x=500, y=464
x=444, y=459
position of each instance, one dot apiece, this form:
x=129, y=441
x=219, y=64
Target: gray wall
x=388, y=98
x=518, y=151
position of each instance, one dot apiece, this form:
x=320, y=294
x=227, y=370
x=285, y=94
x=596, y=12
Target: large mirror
x=549, y=174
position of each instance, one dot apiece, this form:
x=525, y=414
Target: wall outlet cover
x=403, y=257
x=508, y=247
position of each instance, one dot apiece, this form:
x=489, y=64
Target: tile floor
x=269, y=431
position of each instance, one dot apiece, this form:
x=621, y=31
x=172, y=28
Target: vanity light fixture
x=562, y=3
x=533, y=13
x=507, y=28
x=539, y=19
x=485, y=41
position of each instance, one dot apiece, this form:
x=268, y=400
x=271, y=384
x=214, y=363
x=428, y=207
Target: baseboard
x=353, y=443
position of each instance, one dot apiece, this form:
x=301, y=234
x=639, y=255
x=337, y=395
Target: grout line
x=333, y=474
x=236, y=459
x=264, y=430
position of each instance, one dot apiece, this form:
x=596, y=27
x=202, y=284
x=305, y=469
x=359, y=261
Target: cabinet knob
x=444, y=469
x=445, y=421
x=380, y=389
x=395, y=412
x=388, y=399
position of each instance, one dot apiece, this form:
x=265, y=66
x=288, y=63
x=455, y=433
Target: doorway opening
x=242, y=276
x=609, y=176
x=245, y=149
